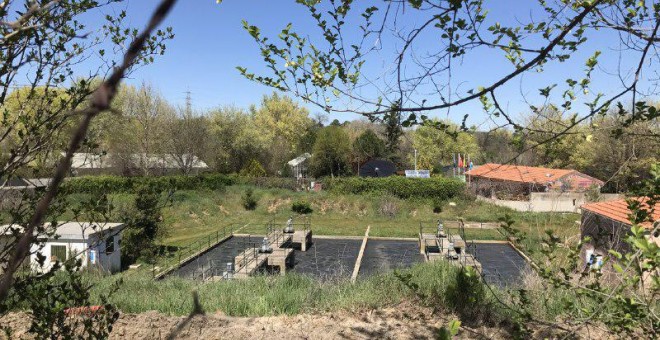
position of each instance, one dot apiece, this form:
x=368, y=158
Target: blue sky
x=210, y=42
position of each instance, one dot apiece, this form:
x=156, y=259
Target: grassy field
x=196, y=214
x=290, y=294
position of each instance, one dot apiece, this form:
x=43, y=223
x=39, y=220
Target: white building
x=95, y=244
x=157, y=164
x=299, y=166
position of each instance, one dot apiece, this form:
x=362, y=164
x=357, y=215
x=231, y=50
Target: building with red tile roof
x=607, y=225
x=569, y=180
x=528, y=188
x=618, y=210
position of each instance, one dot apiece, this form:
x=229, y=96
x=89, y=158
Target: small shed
x=607, y=225
x=95, y=244
x=300, y=165
x=377, y=168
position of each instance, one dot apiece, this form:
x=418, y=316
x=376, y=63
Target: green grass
x=267, y=295
x=198, y=214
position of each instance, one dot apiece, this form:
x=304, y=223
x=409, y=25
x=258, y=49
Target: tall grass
x=289, y=294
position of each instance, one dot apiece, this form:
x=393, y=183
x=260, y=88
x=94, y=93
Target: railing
x=304, y=225
x=247, y=256
x=174, y=260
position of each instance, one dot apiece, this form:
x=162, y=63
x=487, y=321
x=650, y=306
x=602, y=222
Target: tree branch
x=101, y=100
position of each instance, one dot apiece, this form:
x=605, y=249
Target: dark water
x=335, y=258
x=218, y=256
x=328, y=258
x=382, y=256
x=501, y=264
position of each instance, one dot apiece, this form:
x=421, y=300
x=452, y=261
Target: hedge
x=269, y=182
x=402, y=187
x=118, y=184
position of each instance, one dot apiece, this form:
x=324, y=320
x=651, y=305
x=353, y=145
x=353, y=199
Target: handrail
x=185, y=252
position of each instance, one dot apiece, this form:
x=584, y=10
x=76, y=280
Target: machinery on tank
x=441, y=245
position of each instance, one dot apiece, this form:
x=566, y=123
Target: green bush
x=253, y=169
x=270, y=182
x=301, y=208
x=402, y=187
x=437, y=206
x=248, y=199
x=118, y=184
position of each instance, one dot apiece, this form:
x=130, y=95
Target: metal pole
x=415, y=162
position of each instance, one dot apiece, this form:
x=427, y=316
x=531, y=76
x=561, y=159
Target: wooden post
x=358, y=261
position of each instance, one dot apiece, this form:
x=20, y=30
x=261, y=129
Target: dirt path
x=402, y=322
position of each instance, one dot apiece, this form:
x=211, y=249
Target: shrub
x=249, y=201
x=402, y=187
x=270, y=182
x=388, y=208
x=301, y=208
x=144, y=225
x=437, y=206
x=118, y=184
x=253, y=169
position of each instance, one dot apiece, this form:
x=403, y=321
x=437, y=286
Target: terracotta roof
x=618, y=210
x=519, y=173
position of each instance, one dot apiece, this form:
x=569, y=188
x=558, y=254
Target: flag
x=453, y=158
x=460, y=161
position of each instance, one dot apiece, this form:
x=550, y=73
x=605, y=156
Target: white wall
x=81, y=249
x=548, y=202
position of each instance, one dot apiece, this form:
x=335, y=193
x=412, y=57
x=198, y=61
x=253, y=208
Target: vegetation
x=121, y=184
x=302, y=208
x=436, y=146
x=249, y=201
x=330, y=153
x=61, y=77
x=143, y=225
x=402, y=187
x=291, y=294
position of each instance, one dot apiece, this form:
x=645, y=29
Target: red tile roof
x=519, y=173
x=618, y=210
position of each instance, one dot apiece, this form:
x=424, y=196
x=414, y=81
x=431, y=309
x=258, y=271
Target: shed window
x=57, y=253
x=110, y=245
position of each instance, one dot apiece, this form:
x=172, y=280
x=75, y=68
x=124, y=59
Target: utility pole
x=415, y=162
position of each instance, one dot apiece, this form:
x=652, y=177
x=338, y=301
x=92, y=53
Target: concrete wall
x=548, y=202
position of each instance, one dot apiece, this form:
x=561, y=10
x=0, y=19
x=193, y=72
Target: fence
x=168, y=263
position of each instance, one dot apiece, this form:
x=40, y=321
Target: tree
x=27, y=128
x=368, y=146
x=187, y=138
x=328, y=69
x=41, y=43
x=542, y=125
x=393, y=132
x=144, y=225
x=142, y=131
x=234, y=140
x=621, y=161
x=283, y=123
x=500, y=146
x=253, y=170
x=435, y=147
x=330, y=153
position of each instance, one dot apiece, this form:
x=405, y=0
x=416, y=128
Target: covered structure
x=607, y=224
x=377, y=168
x=95, y=244
x=527, y=188
x=503, y=179
x=131, y=164
x=300, y=165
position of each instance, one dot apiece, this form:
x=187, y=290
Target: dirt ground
x=402, y=322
